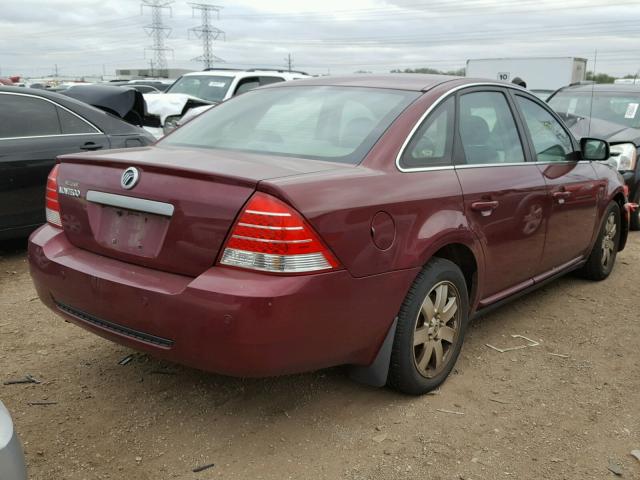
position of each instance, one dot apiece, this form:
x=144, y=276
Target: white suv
x=207, y=88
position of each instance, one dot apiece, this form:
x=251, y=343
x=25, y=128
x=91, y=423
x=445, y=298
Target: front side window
x=550, y=140
x=207, y=87
x=338, y=124
x=431, y=145
x=24, y=116
x=488, y=130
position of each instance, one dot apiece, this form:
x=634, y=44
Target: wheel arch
x=465, y=251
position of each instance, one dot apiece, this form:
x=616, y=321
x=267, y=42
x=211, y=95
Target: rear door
x=572, y=185
x=33, y=131
x=505, y=196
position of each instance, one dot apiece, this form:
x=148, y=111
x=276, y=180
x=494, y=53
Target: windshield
x=206, y=87
x=620, y=108
x=338, y=124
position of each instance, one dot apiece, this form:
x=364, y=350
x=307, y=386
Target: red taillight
x=271, y=236
x=52, y=207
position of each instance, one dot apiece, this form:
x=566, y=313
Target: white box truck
x=539, y=73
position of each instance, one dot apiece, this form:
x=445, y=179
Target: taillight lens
x=52, y=207
x=271, y=236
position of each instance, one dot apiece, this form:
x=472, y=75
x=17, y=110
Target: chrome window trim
x=51, y=136
x=130, y=203
x=97, y=130
x=437, y=102
x=483, y=165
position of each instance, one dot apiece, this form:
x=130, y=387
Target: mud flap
x=376, y=373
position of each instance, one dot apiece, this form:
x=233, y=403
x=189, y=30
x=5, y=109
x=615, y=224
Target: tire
x=438, y=288
x=603, y=256
x=635, y=216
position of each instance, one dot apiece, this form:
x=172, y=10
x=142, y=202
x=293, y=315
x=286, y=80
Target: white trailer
x=539, y=73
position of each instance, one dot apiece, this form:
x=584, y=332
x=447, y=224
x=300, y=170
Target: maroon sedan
x=358, y=220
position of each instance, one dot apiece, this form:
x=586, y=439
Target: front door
x=505, y=197
x=573, y=187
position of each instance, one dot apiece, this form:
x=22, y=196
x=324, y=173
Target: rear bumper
x=12, y=464
x=226, y=321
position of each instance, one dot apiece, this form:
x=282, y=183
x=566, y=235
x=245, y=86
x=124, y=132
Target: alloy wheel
x=437, y=329
x=608, y=240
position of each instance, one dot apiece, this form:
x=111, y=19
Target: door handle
x=561, y=196
x=90, y=146
x=485, y=207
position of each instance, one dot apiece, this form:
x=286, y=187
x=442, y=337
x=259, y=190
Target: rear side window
x=338, y=124
x=269, y=80
x=24, y=116
x=550, y=140
x=73, y=124
x=247, y=84
x=431, y=145
x=487, y=129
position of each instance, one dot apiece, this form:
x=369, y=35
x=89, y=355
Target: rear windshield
x=616, y=107
x=338, y=124
x=206, y=87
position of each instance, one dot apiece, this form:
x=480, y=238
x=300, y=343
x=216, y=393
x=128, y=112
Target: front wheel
x=603, y=256
x=430, y=330
x=635, y=216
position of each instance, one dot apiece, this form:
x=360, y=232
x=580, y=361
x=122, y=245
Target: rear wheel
x=603, y=256
x=430, y=329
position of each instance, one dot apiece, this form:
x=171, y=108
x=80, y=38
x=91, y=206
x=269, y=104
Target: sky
x=85, y=37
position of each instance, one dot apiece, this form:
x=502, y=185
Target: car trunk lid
x=177, y=214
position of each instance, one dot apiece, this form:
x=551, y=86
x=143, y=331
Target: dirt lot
x=526, y=414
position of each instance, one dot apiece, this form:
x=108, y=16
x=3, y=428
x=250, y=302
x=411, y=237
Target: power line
x=158, y=33
x=206, y=32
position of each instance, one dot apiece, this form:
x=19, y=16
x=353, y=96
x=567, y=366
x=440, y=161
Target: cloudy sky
x=336, y=36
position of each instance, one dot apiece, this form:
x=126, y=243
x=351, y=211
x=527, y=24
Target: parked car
x=339, y=220
x=159, y=84
x=12, y=464
x=210, y=87
x=126, y=103
x=35, y=127
x=610, y=112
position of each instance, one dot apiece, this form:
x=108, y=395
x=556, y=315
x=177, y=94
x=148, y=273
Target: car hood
x=167, y=104
x=609, y=131
x=193, y=113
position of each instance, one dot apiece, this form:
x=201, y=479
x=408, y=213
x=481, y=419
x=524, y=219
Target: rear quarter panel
x=425, y=207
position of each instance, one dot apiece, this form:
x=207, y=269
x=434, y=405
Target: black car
x=35, y=127
x=610, y=112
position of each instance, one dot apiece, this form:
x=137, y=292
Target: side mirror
x=594, y=149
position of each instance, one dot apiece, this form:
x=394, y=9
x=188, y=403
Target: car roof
x=417, y=82
x=602, y=87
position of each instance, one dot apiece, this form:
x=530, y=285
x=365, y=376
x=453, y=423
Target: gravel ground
x=565, y=409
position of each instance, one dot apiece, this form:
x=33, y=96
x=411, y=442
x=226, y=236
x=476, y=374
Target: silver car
x=12, y=466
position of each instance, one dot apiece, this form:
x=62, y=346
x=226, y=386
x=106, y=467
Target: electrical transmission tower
x=206, y=32
x=158, y=32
